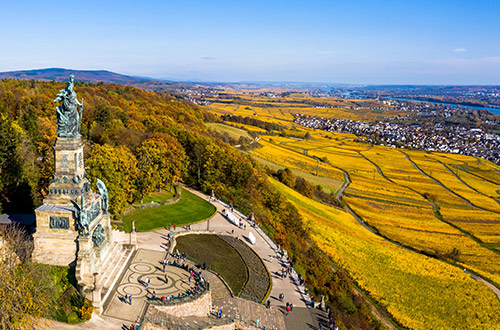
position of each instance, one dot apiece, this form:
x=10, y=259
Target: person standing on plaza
x=166, y=278
x=130, y=299
x=147, y=282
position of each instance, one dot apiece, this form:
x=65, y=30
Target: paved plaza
x=146, y=264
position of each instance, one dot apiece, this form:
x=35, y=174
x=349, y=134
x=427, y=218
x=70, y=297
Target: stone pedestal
x=91, y=254
x=69, y=181
x=56, y=234
x=55, y=238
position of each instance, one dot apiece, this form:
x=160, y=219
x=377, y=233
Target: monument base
x=58, y=249
x=55, y=239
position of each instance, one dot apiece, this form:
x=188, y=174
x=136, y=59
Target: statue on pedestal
x=82, y=219
x=104, y=194
x=68, y=116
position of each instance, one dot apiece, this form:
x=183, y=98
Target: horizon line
x=255, y=82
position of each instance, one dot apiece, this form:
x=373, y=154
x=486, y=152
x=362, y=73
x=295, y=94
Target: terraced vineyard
x=431, y=215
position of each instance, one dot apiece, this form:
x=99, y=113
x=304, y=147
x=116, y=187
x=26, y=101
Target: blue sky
x=375, y=42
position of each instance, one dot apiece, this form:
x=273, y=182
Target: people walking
x=130, y=299
x=166, y=278
x=147, y=282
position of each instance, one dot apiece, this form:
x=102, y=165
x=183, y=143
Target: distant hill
x=83, y=75
x=94, y=76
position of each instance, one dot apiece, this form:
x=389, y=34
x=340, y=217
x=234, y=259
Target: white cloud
x=459, y=50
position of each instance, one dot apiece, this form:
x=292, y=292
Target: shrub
x=86, y=311
x=346, y=304
x=77, y=300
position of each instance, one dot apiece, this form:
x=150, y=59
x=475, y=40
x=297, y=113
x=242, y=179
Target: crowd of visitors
x=200, y=285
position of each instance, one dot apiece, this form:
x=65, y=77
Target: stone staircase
x=112, y=266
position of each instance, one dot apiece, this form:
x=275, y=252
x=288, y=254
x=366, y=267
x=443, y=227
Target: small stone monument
x=73, y=224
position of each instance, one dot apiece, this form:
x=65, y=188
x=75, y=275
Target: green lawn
x=189, y=209
x=159, y=197
x=219, y=256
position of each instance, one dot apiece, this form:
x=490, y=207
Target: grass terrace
x=188, y=209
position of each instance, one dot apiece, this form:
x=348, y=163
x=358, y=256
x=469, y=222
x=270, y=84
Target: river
x=495, y=111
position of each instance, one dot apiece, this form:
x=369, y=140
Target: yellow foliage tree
x=24, y=294
x=117, y=168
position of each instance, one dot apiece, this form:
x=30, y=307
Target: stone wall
x=198, y=307
x=58, y=248
x=231, y=326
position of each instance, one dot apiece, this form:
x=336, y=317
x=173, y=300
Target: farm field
x=420, y=292
x=244, y=104
x=284, y=156
x=233, y=132
x=441, y=205
x=450, y=180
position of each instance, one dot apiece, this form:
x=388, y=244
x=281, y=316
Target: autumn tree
x=286, y=176
x=161, y=161
x=24, y=290
x=117, y=168
x=18, y=170
x=304, y=187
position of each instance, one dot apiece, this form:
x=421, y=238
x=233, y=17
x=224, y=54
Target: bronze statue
x=82, y=220
x=68, y=116
x=104, y=194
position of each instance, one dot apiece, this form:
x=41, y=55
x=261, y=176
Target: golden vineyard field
x=432, y=214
